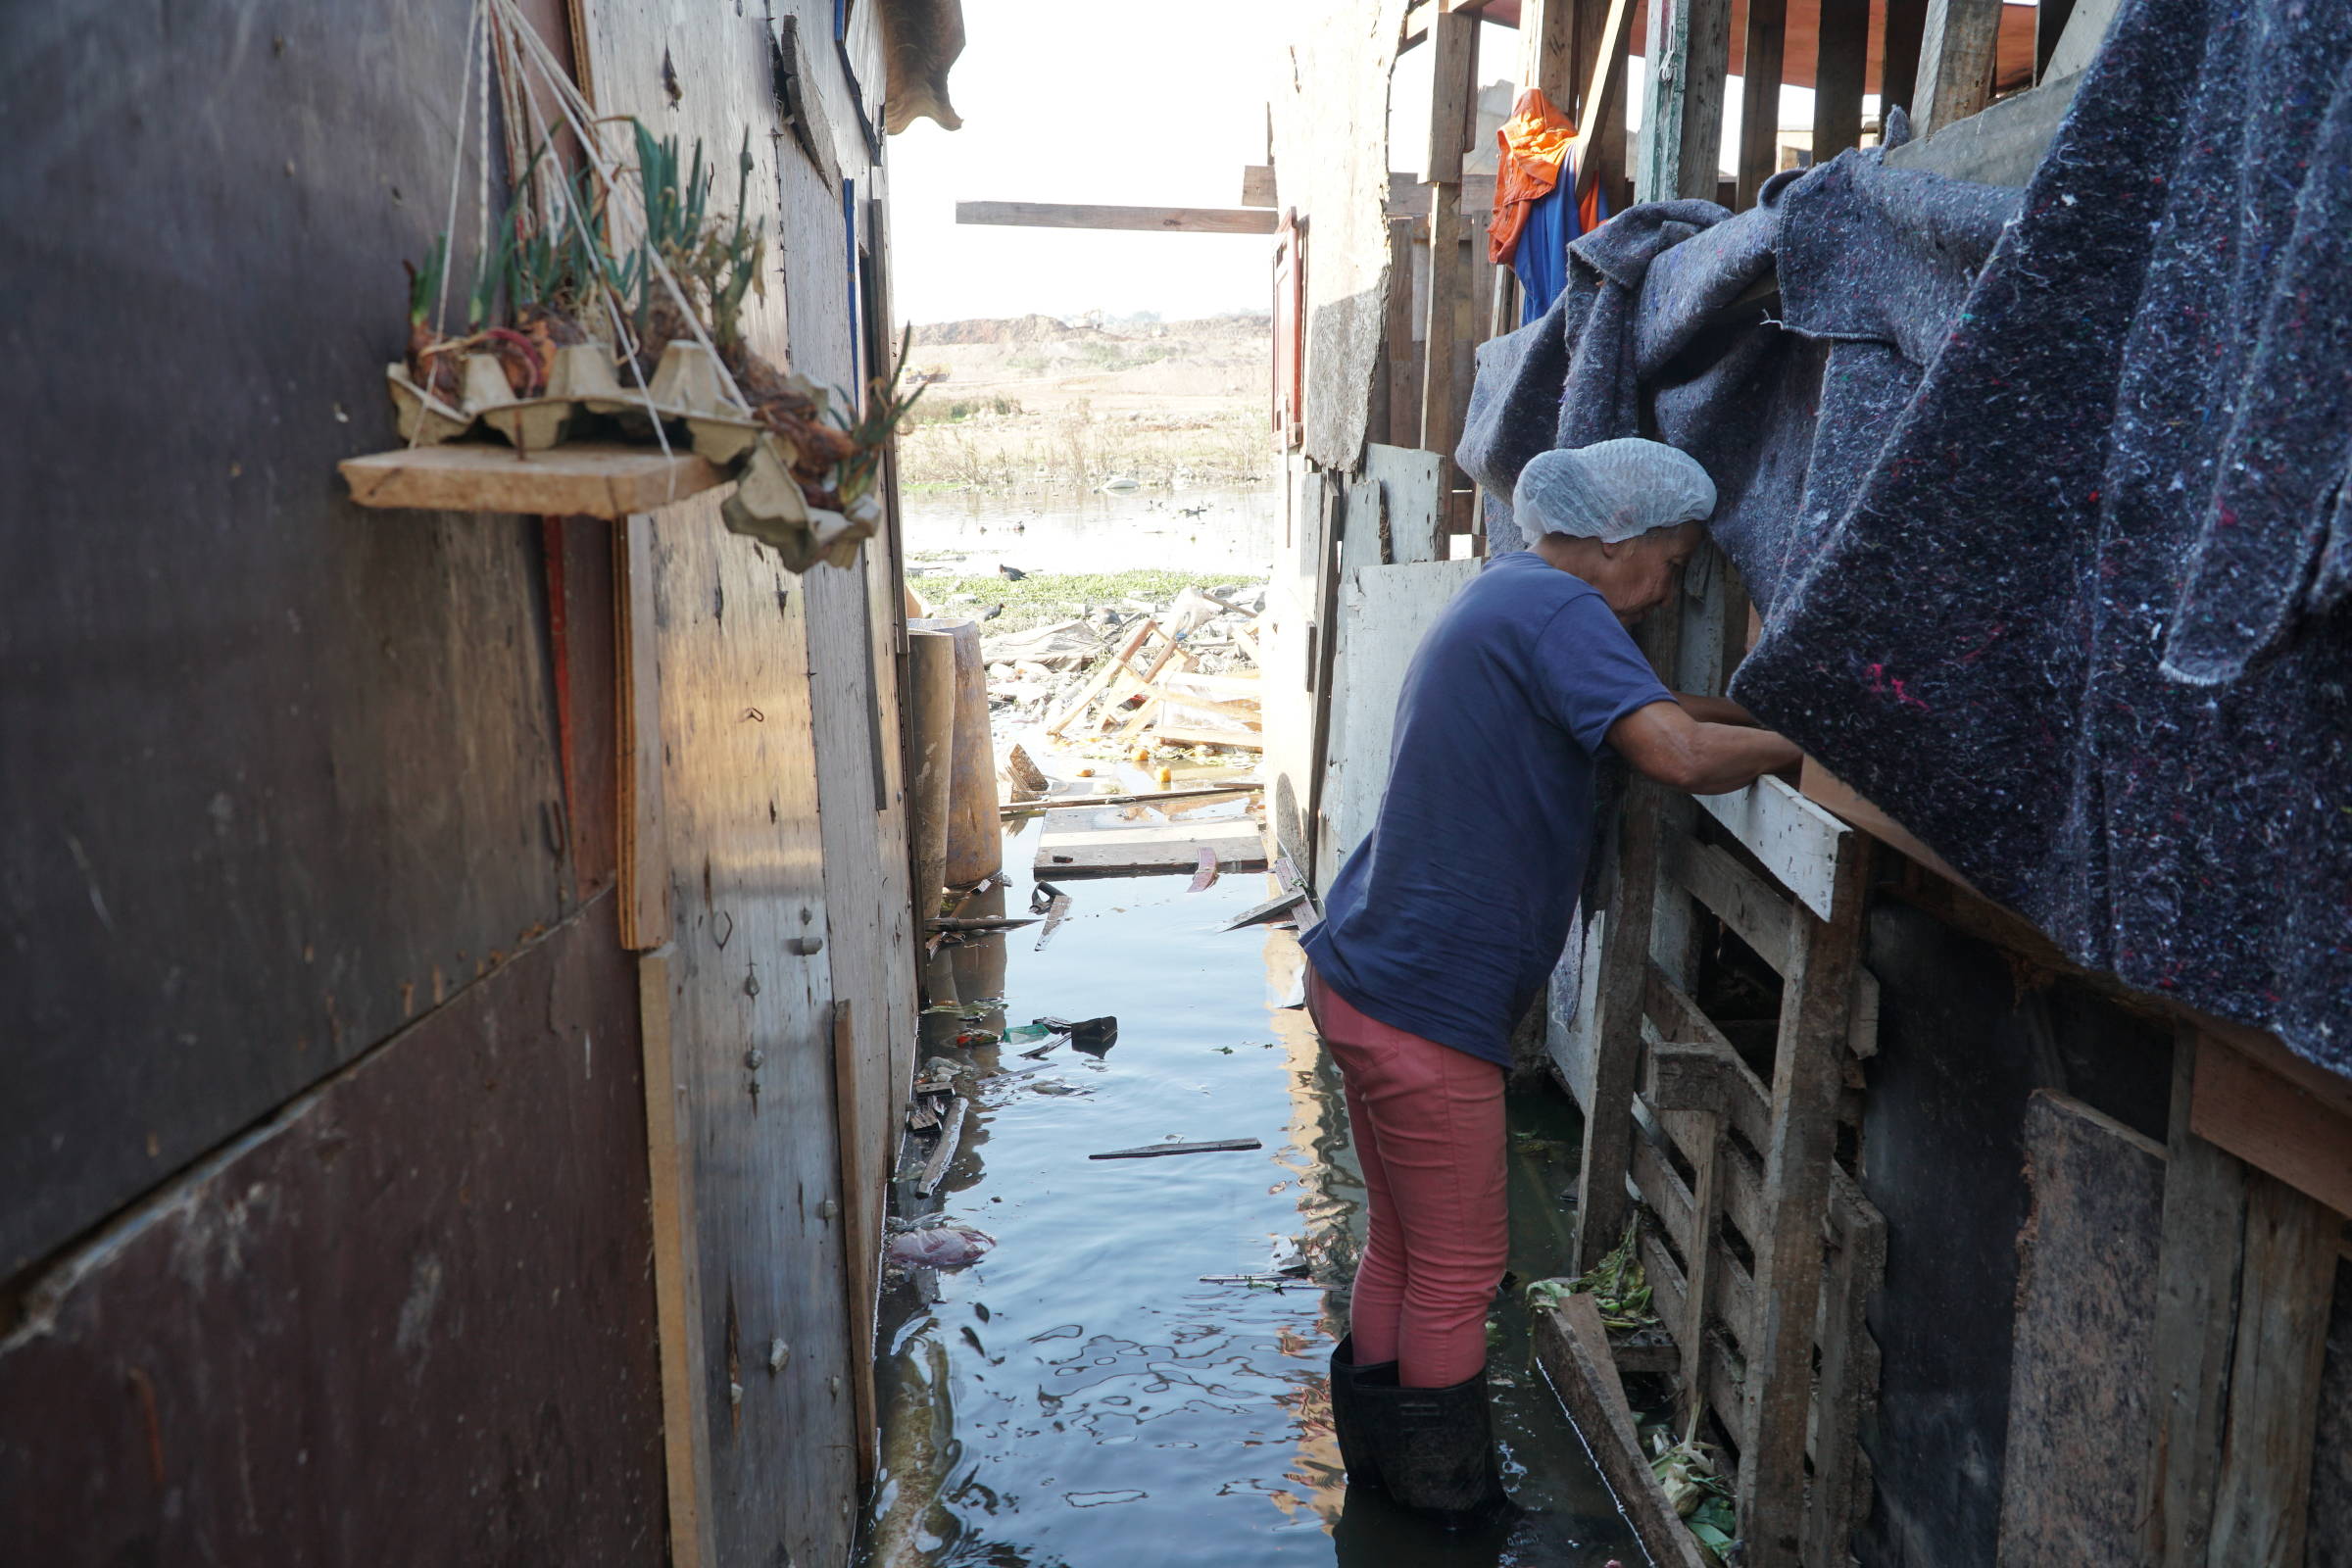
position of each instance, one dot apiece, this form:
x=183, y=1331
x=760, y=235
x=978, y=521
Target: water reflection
x=1079, y=1396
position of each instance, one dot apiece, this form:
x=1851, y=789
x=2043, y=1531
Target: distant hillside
x=1029, y=399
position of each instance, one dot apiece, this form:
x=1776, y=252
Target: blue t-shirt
x=1447, y=918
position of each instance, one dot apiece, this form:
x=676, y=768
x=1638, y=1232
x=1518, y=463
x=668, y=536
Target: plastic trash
x=946, y=1244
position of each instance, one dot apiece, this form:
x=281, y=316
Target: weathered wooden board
x=1066, y=849
x=2082, y=1389
x=764, y=677
x=1572, y=1348
x=2328, y=1529
x=2277, y=1112
x=422, y=1283
x=589, y=479
x=2262, y=1496
x=235, y=837
x=1383, y=611
x=1158, y=220
x=1796, y=840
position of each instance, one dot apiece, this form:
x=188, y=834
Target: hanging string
x=456, y=169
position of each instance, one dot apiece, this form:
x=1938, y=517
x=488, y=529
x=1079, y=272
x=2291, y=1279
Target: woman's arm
x=1715, y=710
x=1664, y=741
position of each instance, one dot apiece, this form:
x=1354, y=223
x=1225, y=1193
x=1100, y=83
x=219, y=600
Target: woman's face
x=1645, y=571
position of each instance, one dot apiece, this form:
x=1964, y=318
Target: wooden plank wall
x=789, y=1000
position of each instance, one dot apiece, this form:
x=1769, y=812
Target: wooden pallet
x=1669, y=1094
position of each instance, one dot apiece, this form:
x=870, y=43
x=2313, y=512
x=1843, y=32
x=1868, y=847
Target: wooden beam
x=1154, y=219
x=1840, y=59
x=1548, y=50
x=2277, y=1112
x=677, y=1274
x=1617, y=1041
x=1807, y=1071
x=2001, y=145
x=1601, y=117
x=1404, y=361
x=1682, y=115
x=1453, y=99
x=2196, y=1285
x=2262, y=1499
x=1761, y=96
x=1573, y=1349
x=1904, y=26
x=1956, y=60
x=644, y=869
x=1257, y=185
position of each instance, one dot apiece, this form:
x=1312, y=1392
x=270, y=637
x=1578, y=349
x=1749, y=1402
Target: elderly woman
x=1445, y=921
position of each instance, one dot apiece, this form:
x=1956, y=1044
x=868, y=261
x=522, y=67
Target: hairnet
x=1610, y=491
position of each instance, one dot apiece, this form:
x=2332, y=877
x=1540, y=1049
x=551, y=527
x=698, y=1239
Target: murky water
x=1080, y=1397
x=1081, y=531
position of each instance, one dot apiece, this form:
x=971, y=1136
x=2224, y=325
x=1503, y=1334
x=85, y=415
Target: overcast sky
x=1136, y=103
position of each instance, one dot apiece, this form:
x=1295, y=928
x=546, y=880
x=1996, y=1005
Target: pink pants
x=1427, y=1123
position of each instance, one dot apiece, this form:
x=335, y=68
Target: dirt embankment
x=1031, y=402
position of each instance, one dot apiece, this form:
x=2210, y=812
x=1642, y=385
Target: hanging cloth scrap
x=1533, y=178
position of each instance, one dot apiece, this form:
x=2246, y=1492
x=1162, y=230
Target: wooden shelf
x=583, y=478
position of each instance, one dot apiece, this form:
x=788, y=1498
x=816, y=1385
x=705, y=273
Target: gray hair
x=1612, y=491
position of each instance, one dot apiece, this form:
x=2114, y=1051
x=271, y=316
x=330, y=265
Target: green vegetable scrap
x=1617, y=1287
x=1687, y=1473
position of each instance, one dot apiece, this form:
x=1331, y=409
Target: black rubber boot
x=1346, y=1410
x=1434, y=1451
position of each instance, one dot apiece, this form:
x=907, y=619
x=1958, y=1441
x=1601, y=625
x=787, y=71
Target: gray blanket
x=2052, y=565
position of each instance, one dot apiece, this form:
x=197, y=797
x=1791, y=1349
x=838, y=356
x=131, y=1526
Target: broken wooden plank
x=2277, y=1112
x=1212, y=1145
x=2081, y=1384
x=1156, y=220
x=2196, y=1286
x=1131, y=849
x=1139, y=798
x=1573, y=1349
x=1184, y=735
x=1260, y=914
x=2262, y=1497
x=580, y=479
x=950, y=1138
x=1796, y=840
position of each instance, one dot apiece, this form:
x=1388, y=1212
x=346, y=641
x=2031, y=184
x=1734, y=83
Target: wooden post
x=1956, y=60
x=2262, y=1497
x=1603, y=52
x=1548, y=57
x=1403, y=372
x=1682, y=117
x=1761, y=96
x=1617, y=1041
x=645, y=915
x=1816, y=995
x=864, y=1172
x=1453, y=104
x=931, y=738
x=1898, y=55
x=975, y=831
x=1840, y=61
x=2196, y=1283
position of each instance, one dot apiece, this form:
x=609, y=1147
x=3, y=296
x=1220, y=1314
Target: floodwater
x=1080, y=1397
x=1208, y=529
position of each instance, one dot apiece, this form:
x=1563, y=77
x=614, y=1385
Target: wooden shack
x=1968, y=1254
x=460, y=987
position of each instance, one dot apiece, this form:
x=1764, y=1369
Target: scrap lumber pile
x=1152, y=687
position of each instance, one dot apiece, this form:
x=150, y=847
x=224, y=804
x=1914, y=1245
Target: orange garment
x=1533, y=147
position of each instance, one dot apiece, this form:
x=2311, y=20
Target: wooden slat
x=1840, y=62
x=1761, y=96
x=1257, y=185
x=864, y=1177
x=1548, y=50
x=1133, y=849
x=1798, y=841
x=1669, y=1296
x=1736, y=896
x=644, y=854
x=1157, y=219
x=1617, y=1044
x=1574, y=1350
x=1849, y=1374
x=1956, y=60
x=2081, y=1378
x=1402, y=366
x=1453, y=112
x=1815, y=1003
x=2196, y=1282
x=576, y=479
x=1688, y=52
x=2278, y=1114
x=2262, y=1497
x=1705, y=1065
x=1600, y=121
x=677, y=1272
x=1903, y=24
